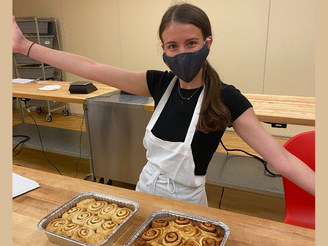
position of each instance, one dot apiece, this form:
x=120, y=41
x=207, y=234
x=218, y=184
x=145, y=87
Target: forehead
x=177, y=31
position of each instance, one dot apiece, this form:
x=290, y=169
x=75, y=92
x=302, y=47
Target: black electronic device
x=82, y=87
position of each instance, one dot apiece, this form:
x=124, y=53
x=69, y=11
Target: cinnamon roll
x=172, y=238
x=73, y=211
x=82, y=234
x=209, y=229
x=190, y=232
x=121, y=214
x=81, y=218
x=96, y=206
x=108, y=211
x=210, y=241
x=153, y=236
x=95, y=238
x=190, y=242
x=94, y=222
x=140, y=242
x=68, y=229
x=179, y=222
x=107, y=227
x=56, y=224
x=85, y=203
x=161, y=223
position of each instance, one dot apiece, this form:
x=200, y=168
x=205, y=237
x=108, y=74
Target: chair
x=300, y=205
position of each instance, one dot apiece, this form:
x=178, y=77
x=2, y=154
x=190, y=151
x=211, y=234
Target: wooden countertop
x=279, y=109
x=55, y=190
x=268, y=108
x=30, y=90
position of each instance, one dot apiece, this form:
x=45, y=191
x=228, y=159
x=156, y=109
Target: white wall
x=260, y=46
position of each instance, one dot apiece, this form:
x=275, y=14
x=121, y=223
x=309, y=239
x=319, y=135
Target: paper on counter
x=25, y=81
x=50, y=88
x=22, y=81
x=22, y=185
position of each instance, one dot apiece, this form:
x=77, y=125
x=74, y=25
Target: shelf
x=243, y=173
x=42, y=31
x=52, y=139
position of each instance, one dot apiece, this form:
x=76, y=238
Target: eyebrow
x=169, y=42
x=187, y=40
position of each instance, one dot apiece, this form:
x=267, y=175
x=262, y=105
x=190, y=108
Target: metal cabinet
x=117, y=123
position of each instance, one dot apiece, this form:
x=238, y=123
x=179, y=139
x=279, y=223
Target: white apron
x=169, y=171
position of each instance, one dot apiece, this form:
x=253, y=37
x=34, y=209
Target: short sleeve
x=157, y=82
x=234, y=100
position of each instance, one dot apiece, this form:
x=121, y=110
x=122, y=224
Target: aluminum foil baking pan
x=65, y=241
x=168, y=214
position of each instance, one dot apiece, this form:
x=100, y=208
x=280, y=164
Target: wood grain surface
x=55, y=190
x=268, y=108
x=30, y=90
x=279, y=109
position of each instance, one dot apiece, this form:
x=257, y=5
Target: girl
x=192, y=108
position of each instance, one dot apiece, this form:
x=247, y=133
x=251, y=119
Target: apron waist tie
x=153, y=179
x=168, y=185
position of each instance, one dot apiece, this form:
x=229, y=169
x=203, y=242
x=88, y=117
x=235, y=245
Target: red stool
x=300, y=205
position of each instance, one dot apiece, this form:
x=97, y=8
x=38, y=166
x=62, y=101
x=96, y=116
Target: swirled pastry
x=94, y=222
x=190, y=242
x=153, y=236
x=209, y=229
x=82, y=234
x=56, y=224
x=108, y=211
x=85, y=202
x=180, y=231
x=96, y=206
x=179, y=222
x=107, y=227
x=73, y=211
x=95, y=238
x=121, y=214
x=81, y=218
x=190, y=232
x=210, y=241
x=161, y=223
x=140, y=242
x=172, y=238
x=68, y=229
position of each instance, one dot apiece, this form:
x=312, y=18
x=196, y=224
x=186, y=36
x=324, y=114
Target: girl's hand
x=20, y=44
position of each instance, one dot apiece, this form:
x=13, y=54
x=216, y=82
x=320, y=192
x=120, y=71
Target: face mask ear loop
x=207, y=39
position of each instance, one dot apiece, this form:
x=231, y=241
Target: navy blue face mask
x=187, y=65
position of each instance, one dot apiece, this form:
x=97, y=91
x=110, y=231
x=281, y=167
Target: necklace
x=187, y=98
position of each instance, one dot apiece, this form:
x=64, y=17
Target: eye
x=171, y=46
x=191, y=43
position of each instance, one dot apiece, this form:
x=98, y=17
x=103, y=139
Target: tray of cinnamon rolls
x=171, y=228
x=89, y=219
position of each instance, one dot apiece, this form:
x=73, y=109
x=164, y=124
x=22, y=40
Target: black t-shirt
x=173, y=123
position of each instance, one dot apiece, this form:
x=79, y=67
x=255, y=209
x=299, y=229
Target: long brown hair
x=213, y=115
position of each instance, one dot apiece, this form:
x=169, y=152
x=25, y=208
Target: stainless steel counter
x=117, y=123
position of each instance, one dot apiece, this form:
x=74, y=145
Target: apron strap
x=161, y=104
x=168, y=185
x=194, y=120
